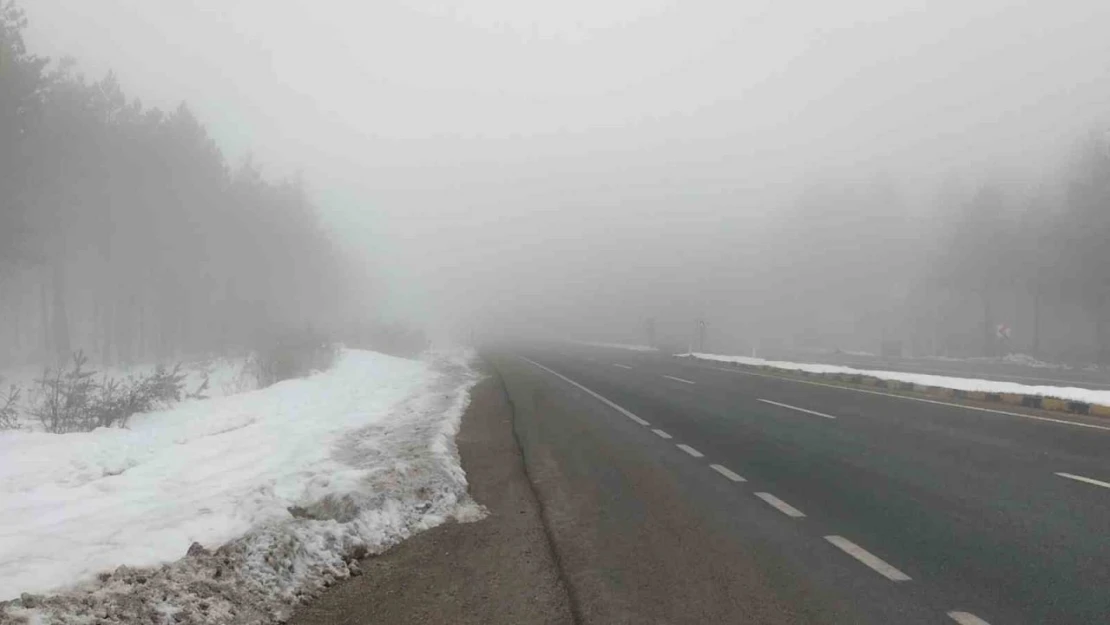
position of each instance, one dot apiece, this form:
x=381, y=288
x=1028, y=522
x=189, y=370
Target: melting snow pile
x=1025, y=360
x=1068, y=393
x=273, y=493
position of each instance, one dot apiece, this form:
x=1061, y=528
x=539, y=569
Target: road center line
x=781, y=505
x=671, y=377
x=589, y=392
x=690, y=450
x=868, y=558
x=1080, y=478
x=967, y=618
x=812, y=412
x=621, y=366
x=920, y=399
x=662, y=434
x=727, y=473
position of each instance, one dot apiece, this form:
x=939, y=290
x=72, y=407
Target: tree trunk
x=108, y=327
x=61, y=318
x=1035, y=349
x=17, y=318
x=124, y=322
x=1100, y=333
x=47, y=344
x=988, y=325
x=5, y=323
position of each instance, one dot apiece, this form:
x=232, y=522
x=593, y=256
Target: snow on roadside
x=1024, y=360
x=1085, y=395
x=284, y=487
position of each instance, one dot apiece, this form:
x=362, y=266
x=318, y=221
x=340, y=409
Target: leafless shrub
x=116, y=401
x=201, y=391
x=71, y=400
x=9, y=406
x=63, y=398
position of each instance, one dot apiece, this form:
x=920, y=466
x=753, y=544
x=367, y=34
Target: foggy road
x=204, y=205
x=680, y=492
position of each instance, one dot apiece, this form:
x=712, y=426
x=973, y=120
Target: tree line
x=1033, y=257
x=978, y=266
x=125, y=232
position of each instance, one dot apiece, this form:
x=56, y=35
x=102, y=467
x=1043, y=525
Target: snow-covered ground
x=1024, y=360
x=293, y=480
x=1090, y=396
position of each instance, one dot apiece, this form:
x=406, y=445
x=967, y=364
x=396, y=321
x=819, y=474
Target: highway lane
x=971, y=506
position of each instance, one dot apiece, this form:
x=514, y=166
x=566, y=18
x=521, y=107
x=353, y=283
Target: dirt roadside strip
x=498, y=571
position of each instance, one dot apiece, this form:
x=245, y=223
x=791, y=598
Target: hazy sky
x=558, y=155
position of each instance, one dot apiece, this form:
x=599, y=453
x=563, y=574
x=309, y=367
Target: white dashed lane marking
x=789, y=407
x=868, y=558
x=671, y=377
x=845, y=545
x=690, y=450
x=919, y=399
x=588, y=391
x=1088, y=480
x=967, y=618
x=781, y=505
x=726, y=472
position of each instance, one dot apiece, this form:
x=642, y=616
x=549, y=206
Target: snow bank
x=293, y=480
x=1089, y=396
x=1024, y=360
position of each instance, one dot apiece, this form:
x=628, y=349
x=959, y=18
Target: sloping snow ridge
x=1085, y=395
x=281, y=490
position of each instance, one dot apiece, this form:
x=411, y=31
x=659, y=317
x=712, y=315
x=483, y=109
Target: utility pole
x=650, y=331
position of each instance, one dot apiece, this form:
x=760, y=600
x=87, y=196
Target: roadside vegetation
x=126, y=235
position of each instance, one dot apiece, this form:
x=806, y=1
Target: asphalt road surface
x=682, y=492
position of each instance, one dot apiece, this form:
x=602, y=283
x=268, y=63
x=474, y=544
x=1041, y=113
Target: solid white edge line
x=690, y=450
x=866, y=557
x=1080, y=478
x=727, y=473
x=812, y=412
x=662, y=434
x=966, y=618
x=621, y=366
x=920, y=399
x=671, y=377
x=781, y=505
x=589, y=392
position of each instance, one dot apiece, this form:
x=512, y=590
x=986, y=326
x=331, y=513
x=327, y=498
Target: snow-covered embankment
x=291, y=483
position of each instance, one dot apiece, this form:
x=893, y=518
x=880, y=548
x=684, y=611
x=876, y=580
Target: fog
x=822, y=175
